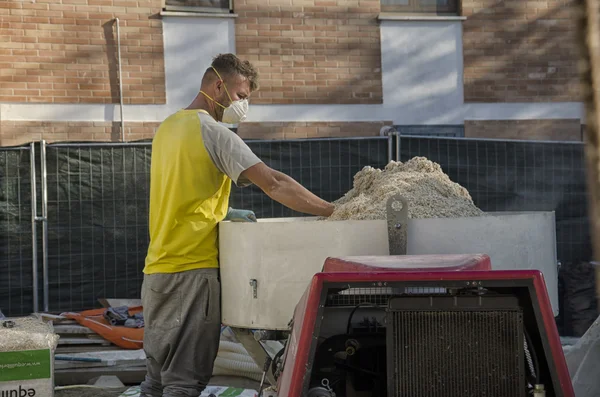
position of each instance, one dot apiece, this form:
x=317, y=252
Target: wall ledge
x=391, y=16
x=197, y=14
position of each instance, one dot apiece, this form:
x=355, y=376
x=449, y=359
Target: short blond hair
x=230, y=64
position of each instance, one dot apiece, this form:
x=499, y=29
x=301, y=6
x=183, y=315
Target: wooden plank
x=108, y=302
x=109, y=363
x=72, y=329
x=82, y=341
x=94, y=336
x=56, y=323
x=70, y=349
x=75, y=376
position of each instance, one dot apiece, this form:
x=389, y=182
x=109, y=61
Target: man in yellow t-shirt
x=194, y=160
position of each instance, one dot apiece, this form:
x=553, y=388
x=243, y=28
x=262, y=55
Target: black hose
x=354, y=310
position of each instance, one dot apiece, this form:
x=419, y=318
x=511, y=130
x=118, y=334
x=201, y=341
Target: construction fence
x=87, y=234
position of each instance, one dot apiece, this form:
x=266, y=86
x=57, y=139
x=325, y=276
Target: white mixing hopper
x=266, y=266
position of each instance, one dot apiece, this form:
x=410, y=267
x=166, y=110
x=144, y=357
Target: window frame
x=414, y=8
x=197, y=8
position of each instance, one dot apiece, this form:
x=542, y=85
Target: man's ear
x=218, y=85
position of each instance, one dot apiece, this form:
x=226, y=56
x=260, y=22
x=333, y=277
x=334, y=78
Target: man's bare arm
x=287, y=191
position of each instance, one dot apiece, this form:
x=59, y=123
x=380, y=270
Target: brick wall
x=301, y=130
x=312, y=51
x=64, y=51
x=520, y=51
x=20, y=132
x=554, y=130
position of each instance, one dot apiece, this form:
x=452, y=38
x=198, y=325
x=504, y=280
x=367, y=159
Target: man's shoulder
x=179, y=118
x=211, y=125
x=216, y=133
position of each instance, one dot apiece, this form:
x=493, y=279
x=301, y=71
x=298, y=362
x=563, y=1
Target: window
x=440, y=7
x=217, y=6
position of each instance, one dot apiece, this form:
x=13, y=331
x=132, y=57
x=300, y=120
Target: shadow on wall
x=510, y=56
x=113, y=71
x=103, y=60
x=112, y=58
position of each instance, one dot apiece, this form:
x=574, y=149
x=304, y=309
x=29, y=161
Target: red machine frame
x=430, y=268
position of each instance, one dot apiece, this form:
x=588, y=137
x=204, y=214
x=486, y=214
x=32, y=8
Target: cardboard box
x=26, y=373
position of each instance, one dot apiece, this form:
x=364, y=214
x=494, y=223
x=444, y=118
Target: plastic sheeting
x=579, y=304
x=98, y=208
x=16, y=285
x=583, y=361
x=97, y=223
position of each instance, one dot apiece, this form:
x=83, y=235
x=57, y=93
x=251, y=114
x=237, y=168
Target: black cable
x=265, y=369
x=354, y=310
x=275, y=360
x=533, y=356
x=530, y=364
x=346, y=366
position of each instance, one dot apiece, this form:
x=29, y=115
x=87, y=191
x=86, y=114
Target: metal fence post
x=390, y=146
x=398, y=147
x=44, y=220
x=388, y=131
x=34, y=219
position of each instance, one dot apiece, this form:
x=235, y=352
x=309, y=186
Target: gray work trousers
x=182, y=314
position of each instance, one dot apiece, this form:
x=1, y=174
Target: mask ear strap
x=220, y=78
x=208, y=96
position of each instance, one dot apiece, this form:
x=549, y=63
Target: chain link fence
x=97, y=222
x=96, y=195
x=16, y=241
x=97, y=200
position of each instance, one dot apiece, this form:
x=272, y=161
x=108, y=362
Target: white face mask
x=236, y=112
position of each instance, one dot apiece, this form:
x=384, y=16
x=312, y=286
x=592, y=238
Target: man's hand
x=234, y=215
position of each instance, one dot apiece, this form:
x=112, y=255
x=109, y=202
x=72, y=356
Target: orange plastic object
x=124, y=337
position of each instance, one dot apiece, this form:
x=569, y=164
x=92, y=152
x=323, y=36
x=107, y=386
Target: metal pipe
x=33, y=228
x=388, y=132
x=397, y=134
x=390, y=145
x=12, y=148
x=453, y=138
x=117, y=144
x=120, y=81
x=360, y=138
x=100, y=144
x=44, y=227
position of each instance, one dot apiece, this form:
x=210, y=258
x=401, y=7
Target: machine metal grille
x=379, y=296
x=455, y=351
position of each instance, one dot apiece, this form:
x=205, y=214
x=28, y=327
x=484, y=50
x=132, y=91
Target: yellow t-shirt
x=194, y=159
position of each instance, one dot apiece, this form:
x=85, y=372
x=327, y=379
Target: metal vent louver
x=455, y=347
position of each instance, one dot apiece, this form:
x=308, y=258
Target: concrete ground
x=217, y=381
